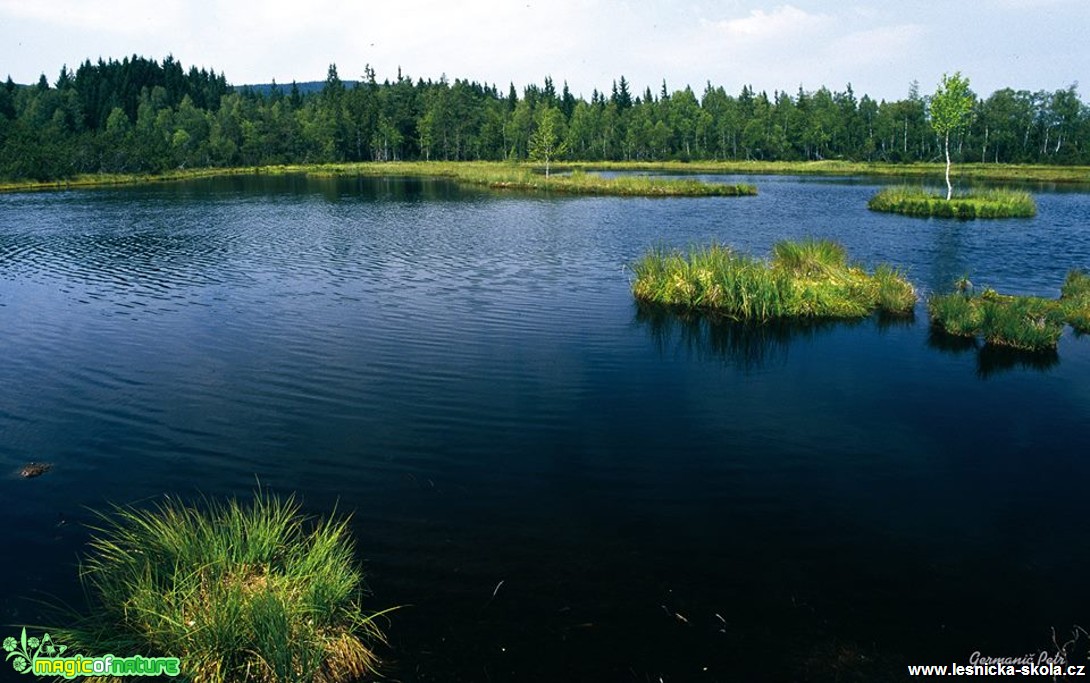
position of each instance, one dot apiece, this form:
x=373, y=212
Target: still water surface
x=467, y=374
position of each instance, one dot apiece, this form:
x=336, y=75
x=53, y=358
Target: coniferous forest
x=140, y=115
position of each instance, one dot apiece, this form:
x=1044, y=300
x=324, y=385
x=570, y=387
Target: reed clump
x=995, y=203
x=238, y=593
x=806, y=279
x=1027, y=323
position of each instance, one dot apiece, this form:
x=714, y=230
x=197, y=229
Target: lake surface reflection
x=466, y=372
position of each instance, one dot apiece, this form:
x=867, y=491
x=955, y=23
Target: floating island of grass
x=528, y=178
x=803, y=280
x=913, y=201
x=1027, y=323
x=238, y=593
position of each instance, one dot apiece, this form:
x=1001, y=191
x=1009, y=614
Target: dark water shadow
x=953, y=344
x=744, y=345
x=886, y=321
x=992, y=360
x=334, y=188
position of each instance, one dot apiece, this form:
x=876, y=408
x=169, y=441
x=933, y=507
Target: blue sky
x=879, y=47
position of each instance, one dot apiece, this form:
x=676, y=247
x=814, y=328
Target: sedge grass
x=1075, y=298
x=806, y=279
x=1021, y=322
x=238, y=593
x=1039, y=173
x=494, y=175
x=1027, y=323
x=1077, y=286
x=525, y=177
x=1034, y=173
x=995, y=203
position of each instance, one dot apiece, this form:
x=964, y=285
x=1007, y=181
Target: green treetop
x=546, y=141
x=950, y=108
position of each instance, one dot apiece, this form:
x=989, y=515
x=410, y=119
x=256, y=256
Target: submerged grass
x=806, y=279
x=238, y=593
x=1027, y=323
x=987, y=204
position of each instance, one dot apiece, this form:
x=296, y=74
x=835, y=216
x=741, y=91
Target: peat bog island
x=647, y=385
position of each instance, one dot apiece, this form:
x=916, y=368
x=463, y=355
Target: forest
x=139, y=115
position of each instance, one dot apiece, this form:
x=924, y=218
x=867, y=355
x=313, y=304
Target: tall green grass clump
x=238, y=593
x=956, y=314
x=713, y=277
x=995, y=203
x=806, y=279
x=1027, y=323
x=1022, y=322
x=1075, y=297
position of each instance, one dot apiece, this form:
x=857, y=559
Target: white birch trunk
x=949, y=187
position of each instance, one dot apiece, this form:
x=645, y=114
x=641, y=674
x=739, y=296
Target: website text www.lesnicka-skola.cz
x=1053, y=670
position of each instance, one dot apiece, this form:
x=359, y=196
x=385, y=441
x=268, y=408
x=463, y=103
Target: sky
x=880, y=47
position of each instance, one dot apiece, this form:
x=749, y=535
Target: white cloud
x=781, y=23
x=786, y=46
x=1035, y=4
x=876, y=46
x=879, y=45
x=880, y=39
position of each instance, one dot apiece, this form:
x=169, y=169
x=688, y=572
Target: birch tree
x=950, y=108
x=546, y=141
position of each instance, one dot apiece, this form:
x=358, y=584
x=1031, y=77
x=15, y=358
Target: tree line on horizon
x=139, y=115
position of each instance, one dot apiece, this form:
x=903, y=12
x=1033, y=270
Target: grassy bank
x=121, y=179
x=807, y=279
x=985, y=204
x=494, y=175
x=992, y=172
x=1027, y=323
x=238, y=593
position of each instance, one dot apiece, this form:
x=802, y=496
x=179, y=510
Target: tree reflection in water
x=745, y=345
x=992, y=360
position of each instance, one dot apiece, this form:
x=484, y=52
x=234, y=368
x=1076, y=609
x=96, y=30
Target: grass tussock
x=238, y=593
x=1027, y=323
x=987, y=204
x=1075, y=298
x=807, y=279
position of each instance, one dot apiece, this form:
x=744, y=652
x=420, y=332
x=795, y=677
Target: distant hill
x=304, y=88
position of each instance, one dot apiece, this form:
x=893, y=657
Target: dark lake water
x=468, y=375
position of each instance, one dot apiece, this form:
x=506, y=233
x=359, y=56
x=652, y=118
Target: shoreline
x=462, y=170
